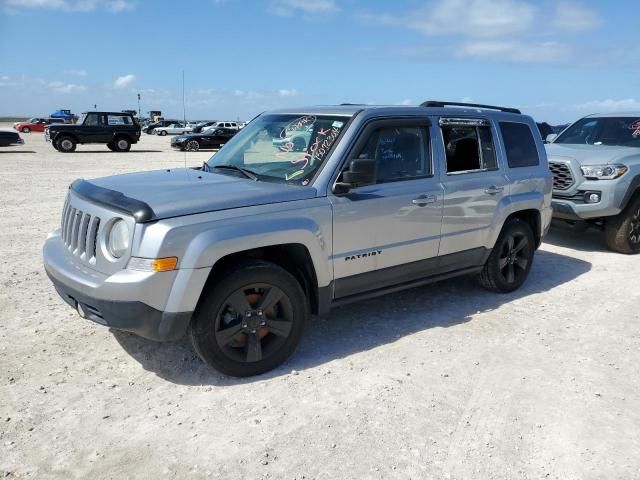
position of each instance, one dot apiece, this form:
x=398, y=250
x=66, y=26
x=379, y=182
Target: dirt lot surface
x=445, y=381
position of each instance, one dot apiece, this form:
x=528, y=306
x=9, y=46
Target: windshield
x=618, y=131
x=282, y=147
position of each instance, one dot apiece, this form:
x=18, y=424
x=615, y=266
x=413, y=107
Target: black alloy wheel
x=192, y=146
x=251, y=321
x=622, y=232
x=509, y=263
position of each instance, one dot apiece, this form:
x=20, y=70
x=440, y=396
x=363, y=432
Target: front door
x=387, y=233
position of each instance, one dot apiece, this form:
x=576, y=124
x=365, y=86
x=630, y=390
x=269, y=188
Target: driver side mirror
x=362, y=172
x=551, y=137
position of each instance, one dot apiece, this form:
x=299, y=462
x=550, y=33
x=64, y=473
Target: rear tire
x=192, y=146
x=251, y=321
x=122, y=144
x=622, y=232
x=66, y=144
x=26, y=130
x=162, y=133
x=508, y=266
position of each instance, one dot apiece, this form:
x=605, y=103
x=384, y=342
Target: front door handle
x=493, y=190
x=424, y=200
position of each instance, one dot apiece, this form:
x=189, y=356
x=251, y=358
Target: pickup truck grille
x=80, y=232
x=562, y=176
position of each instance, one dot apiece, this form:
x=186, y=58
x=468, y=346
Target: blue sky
x=556, y=60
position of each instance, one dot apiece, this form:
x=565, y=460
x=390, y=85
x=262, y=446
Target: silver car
x=240, y=252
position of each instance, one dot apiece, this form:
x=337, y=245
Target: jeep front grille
x=562, y=176
x=80, y=232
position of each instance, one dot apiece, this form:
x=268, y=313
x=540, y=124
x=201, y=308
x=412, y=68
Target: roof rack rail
x=347, y=104
x=436, y=103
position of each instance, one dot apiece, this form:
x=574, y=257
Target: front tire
x=508, y=266
x=251, y=321
x=192, y=146
x=66, y=144
x=162, y=133
x=26, y=130
x=622, y=232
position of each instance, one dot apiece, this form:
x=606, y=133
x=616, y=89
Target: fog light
x=592, y=197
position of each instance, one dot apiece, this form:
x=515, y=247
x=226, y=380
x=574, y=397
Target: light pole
x=139, y=112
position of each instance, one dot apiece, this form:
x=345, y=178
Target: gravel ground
x=444, y=381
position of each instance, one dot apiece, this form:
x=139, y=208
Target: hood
x=176, y=192
x=592, y=154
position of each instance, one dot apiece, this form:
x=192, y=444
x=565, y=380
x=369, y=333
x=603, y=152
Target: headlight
x=603, y=172
x=118, y=239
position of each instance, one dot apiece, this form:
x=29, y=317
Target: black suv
x=118, y=130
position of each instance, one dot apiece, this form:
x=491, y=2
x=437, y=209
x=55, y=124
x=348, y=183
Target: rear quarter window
x=519, y=145
x=119, y=120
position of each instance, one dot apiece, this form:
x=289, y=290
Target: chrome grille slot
x=92, y=238
x=80, y=232
x=562, y=176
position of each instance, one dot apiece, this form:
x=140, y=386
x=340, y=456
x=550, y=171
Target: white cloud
x=285, y=92
x=124, y=81
x=573, y=17
x=115, y=6
x=469, y=18
x=76, y=72
x=514, y=51
x=62, y=87
x=608, y=106
x=500, y=30
x=310, y=7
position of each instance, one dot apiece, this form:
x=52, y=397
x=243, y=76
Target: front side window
x=287, y=148
x=401, y=153
x=519, y=145
x=468, y=144
x=92, y=119
x=618, y=131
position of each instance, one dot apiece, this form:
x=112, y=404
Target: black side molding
x=139, y=210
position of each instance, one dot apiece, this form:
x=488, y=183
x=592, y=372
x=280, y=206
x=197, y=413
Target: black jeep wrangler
x=118, y=130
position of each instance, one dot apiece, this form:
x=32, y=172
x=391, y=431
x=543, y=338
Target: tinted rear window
x=519, y=145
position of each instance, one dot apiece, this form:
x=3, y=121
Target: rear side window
x=468, y=145
x=519, y=145
x=119, y=120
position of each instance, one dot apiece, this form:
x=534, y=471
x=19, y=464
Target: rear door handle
x=493, y=190
x=424, y=200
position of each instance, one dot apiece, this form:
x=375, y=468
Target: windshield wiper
x=247, y=173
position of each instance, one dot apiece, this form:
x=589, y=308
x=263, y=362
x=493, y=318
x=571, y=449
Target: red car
x=35, y=124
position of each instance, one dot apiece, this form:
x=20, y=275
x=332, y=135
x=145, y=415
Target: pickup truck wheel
x=509, y=263
x=66, y=144
x=192, y=146
x=122, y=144
x=622, y=232
x=251, y=321
x=26, y=130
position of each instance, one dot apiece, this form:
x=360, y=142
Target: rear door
x=474, y=183
x=388, y=233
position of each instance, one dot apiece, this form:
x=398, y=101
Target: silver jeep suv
x=596, y=177
x=242, y=250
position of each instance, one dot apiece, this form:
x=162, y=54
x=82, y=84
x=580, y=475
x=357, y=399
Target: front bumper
x=571, y=205
x=115, y=300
